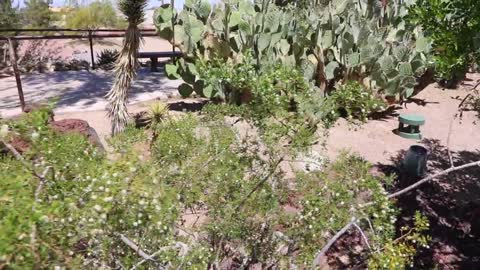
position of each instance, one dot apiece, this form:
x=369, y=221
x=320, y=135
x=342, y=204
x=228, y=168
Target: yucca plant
x=126, y=65
x=157, y=112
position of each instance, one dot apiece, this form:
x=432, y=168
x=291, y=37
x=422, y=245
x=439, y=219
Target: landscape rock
x=77, y=126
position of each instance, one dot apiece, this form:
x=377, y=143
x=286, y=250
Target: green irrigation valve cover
x=412, y=119
x=412, y=128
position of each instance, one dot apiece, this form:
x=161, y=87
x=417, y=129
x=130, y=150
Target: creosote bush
x=87, y=208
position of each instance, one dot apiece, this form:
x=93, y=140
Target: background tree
x=8, y=14
x=37, y=13
x=127, y=64
x=98, y=14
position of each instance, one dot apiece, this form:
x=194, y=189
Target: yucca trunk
x=126, y=65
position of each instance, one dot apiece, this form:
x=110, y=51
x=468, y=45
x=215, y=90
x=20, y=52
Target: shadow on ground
x=452, y=205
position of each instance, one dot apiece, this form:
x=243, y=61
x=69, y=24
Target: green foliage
x=124, y=142
x=9, y=16
x=329, y=201
x=453, y=26
x=398, y=253
x=275, y=101
x=107, y=58
x=98, y=14
x=134, y=10
x=353, y=101
x=36, y=14
x=88, y=204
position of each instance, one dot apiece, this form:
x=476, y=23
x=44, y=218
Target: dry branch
x=426, y=179
x=364, y=236
x=260, y=183
x=134, y=246
x=324, y=250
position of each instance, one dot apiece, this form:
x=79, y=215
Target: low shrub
x=352, y=101
x=88, y=211
x=106, y=59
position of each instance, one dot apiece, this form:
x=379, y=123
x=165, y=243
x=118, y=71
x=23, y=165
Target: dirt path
x=80, y=91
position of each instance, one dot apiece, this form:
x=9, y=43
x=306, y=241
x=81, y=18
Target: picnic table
x=155, y=55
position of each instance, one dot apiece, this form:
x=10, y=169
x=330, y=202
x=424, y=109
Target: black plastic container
x=415, y=161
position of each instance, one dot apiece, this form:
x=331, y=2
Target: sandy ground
x=376, y=142
x=80, y=91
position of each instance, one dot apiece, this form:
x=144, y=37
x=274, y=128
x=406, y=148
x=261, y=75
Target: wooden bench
x=155, y=55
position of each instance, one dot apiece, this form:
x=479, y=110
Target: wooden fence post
x=91, y=48
x=13, y=60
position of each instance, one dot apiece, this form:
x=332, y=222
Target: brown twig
x=325, y=248
x=364, y=236
x=134, y=246
x=426, y=179
x=38, y=190
x=260, y=183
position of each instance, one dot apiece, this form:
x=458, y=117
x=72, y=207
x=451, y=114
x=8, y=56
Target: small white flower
x=97, y=208
x=35, y=135
x=3, y=131
x=108, y=199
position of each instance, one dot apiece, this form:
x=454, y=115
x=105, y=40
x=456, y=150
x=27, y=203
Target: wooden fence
x=77, y=34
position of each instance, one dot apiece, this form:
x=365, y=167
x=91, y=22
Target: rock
x=344, y=259
x=77, y=126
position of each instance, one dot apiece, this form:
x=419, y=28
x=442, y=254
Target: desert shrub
x=352, y=101
x=124, y=141
x=98, y=14
x=453, y=27
x=80, y=213
x=278, y=100
x=71, y=64
x=330, y=199
x=106, y=58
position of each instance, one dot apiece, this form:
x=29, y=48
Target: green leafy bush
x=87, y=210
x=353, y=101
x=453, y=27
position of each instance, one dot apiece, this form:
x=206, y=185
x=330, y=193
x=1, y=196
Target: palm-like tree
x=127, y=64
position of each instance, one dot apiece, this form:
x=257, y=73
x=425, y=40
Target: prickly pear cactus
x=334, y=41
